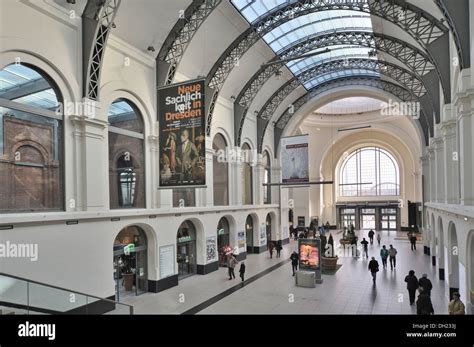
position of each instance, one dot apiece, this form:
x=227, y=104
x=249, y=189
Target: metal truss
x=456, y=14
x=182, y=33
x=404, y=77
x=416, y=60
x=396, y=90
x=97, y=21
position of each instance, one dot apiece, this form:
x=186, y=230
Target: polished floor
x=270, y=288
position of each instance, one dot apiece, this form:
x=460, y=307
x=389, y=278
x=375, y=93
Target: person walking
x=231, y=263
x=270, y=249
x=374, y=268
x=456, y=306
x=425, y=283
x=379, y=238
x=365, y=244
x=413, y=241
x=384, y=256
x=392, y=253
x=412, y=285
x=371, y=236
x=294, y=262
x=242, y=271
x=423, y=304
x=278, y=248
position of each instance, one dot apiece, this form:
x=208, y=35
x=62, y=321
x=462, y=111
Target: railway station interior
x=149, y=146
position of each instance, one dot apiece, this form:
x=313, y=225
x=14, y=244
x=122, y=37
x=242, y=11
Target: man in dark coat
x=365, y=244
x=294, y=261
x=413, y=241
x=371, y=236
x=423, y=304
x=412, y=285
x=425, y=283
x=374, y=268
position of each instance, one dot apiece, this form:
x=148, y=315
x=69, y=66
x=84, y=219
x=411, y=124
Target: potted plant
x=328, y=256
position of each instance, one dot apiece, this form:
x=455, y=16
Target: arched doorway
x=434, y=241
x=268, y=225
x=440, y=249
x=130, y=262
x=223, y=240
x=186, y=250
x=453, y=260
x=470, y=269
x=249, y=233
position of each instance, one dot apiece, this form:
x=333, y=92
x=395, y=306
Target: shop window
x=223, y=241
x=31, y=141
x=220, y=172
x=126, y=156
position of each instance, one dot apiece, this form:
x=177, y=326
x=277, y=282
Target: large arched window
x=126, y=156
x=247, y=176
x=220, y=172
x=370, y=171
x=31, y=141
x=267, y=178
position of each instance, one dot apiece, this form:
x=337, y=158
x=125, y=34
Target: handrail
x=130, y=307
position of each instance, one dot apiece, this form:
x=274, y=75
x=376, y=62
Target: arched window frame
x=247, y=196
x=218, y=200
x=267, y=177
x=356, y=182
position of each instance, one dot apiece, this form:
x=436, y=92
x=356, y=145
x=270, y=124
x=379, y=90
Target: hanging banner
x=181, y=115
x=294, y=159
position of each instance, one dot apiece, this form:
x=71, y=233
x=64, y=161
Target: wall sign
x=211, y=249
x=167, y=261
x=263, y=235
x=241, y=241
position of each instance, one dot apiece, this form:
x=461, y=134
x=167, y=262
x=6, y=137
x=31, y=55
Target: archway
x=223, y=240
x=268, y=227
x=186, y=249
x=130, y=262
x=440, y=249
x=453, y=259
x=251, y=230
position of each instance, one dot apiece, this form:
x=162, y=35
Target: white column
x=92, y=167
x=451, y=159
x=432, y=187
x=425, y=163
x=276, y=178
x=152, y=193
x=207, y=195
x=439, y=159
x=259, y=177
x=464, y=103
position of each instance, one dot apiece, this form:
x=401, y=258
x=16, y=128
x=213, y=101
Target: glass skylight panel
x=339, y=74
x=15, y=75
x=45, y=99
x=252, y=9
x=118, y=108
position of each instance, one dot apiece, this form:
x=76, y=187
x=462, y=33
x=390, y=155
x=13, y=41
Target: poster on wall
x=211, y=249
x=294, y=159
x=308, y=250
x=167, y=261
x=181, y=116
x=263, y=235
x=241, y=241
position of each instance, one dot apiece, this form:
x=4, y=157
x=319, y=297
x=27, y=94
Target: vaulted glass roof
x=312, y=24
x=21, y=84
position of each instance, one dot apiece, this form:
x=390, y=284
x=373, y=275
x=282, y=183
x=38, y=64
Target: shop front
x=249, y=234
x=130, y=262
x=223, y=241
x=186, y=250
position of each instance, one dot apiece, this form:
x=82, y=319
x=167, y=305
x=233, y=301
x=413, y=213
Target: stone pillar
x=153, y=172
x=425, y=164
x=93, y=162
x=465, y=109
x=206, y=197
x=451, y=160
x=432, y=163
x=439, y=167
x=259, y=173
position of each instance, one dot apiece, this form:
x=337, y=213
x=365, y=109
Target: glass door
x=389, y=219
x=141, y=281
x=367, y=218
x=186, y=259
x=347, y=217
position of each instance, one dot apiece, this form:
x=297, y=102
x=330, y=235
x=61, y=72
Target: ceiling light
x=465, y=218
x=150, y=49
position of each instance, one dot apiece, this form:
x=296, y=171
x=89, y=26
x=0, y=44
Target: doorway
x=367, y=218
x=186, y=250
x=223, y=241
x=249, y=233
x=388, y=219
x=269, y=228
x=130, y=263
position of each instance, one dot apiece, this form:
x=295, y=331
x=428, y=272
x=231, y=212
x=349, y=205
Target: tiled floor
x=349, y=291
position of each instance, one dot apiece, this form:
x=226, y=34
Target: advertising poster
x=241, y=241
x=211, y=249
x=294, y=159
x=263, y=235
x=308, y=250
x=181, y=115
x=167, y=261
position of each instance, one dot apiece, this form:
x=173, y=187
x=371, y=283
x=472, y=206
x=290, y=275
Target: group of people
x=312, y=230
x=272, y=246
x=231, y=264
